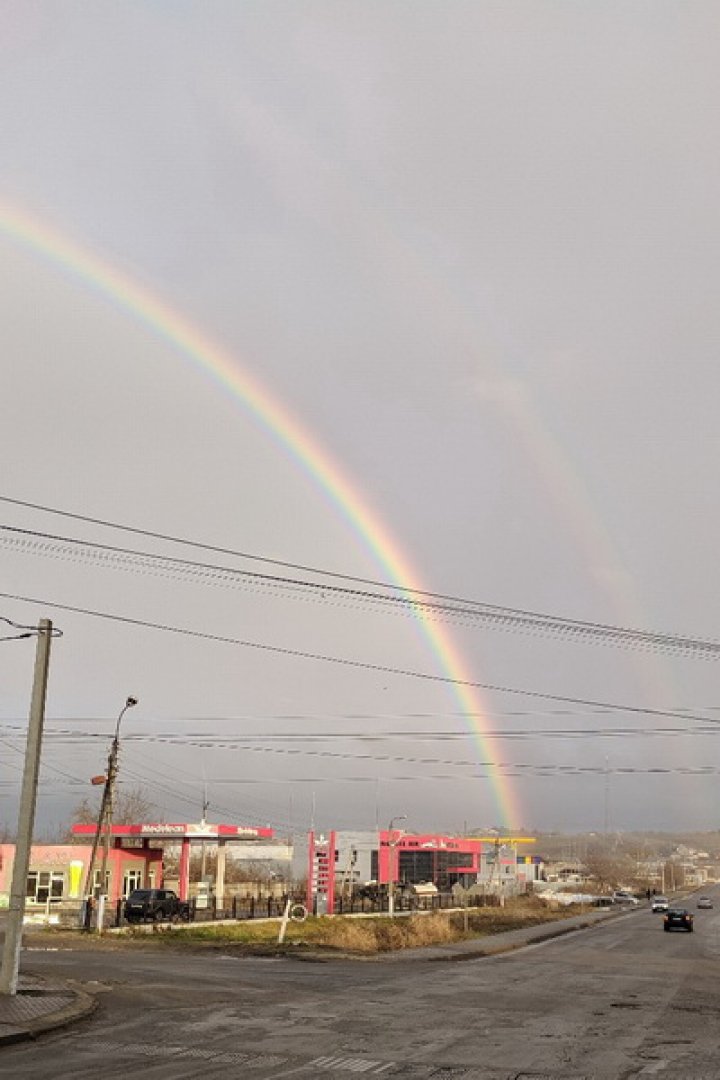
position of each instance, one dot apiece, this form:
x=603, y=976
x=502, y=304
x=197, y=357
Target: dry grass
x=360, y=936
x=376, y=934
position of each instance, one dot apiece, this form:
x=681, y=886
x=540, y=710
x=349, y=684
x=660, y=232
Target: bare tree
x=608, y=868
x=129, y=807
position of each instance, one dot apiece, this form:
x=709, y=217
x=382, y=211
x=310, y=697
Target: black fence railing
x=235, y=907
x=250, y=907
x=408, y=902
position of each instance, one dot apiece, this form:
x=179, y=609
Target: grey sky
x=473, y=249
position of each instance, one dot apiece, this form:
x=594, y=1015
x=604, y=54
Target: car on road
x=660, y=903
x=704, y=902
x=155, y=905
x=678, y=919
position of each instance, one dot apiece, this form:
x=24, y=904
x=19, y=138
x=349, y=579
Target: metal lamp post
x=391, y=863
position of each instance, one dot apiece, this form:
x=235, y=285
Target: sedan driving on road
x=660, y=903
x=678, y=919
x=704, y=902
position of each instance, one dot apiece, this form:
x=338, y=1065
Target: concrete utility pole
x=105, y=816
x=26, y=813
x=102, y=815
x=110, y=789
x=391, y=862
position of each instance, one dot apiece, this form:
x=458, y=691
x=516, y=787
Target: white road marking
x=340, y=1064
x=354, y=1065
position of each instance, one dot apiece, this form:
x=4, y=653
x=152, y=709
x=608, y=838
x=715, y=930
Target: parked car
x=660, y=903
x=622, y=896
x=704, y=902
x=678, y=919
x=155, y=905
x=371, y=890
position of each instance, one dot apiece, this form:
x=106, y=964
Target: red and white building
x=341, y=860
x=58, y=872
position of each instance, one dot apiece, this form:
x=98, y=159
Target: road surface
x=617, y=1001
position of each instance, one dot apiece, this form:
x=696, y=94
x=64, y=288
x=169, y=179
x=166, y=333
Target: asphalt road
x=620, y=1000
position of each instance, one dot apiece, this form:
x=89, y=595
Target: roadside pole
x=105, y=820
x=391, y=861
x=109, y=791
x=26, y=813
x=89, y=892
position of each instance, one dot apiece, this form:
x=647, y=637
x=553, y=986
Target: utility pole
x=101, y=822
x=26, y=813
x=105, y=816
x=391, y=862
x=203, y=843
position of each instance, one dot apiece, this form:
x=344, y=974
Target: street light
x=106, y=810
x=391, y=863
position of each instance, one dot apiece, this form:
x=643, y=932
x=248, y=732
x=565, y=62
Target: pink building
x=57, y=872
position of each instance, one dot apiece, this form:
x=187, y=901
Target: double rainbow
x=284, y=429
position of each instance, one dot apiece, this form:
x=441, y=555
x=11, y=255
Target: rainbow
x=284, y=429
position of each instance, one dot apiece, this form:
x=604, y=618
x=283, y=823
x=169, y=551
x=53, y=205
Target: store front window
x=44, y=885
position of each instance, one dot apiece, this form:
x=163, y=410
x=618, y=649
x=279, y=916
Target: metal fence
x=213, y=911
x=270, y=907
x=250, y=907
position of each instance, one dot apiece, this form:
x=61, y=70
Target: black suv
x=678, y=917
x=155, y=905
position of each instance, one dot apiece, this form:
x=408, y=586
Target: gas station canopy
x=176, y=831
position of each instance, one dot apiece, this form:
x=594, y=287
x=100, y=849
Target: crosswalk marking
x=353, y=1065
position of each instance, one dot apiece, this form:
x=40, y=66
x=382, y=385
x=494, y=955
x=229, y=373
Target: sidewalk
x=40, y=1005
x=508, y=940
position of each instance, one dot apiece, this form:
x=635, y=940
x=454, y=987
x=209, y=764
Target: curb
x=82, y=1006
x=536, y=939
x=477, y=951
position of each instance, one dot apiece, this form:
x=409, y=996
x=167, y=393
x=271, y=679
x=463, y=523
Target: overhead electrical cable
x=543, y=768
x=409, y=601
x=213, y=740
x=385, y=669
x=238, y=745
x=25, y=631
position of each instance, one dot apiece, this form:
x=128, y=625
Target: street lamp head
x=130, y=702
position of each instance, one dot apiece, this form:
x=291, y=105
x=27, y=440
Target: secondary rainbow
x=285, y=430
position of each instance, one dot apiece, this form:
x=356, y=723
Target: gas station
x=134, y=864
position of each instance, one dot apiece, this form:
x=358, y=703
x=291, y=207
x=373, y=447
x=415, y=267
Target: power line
x=109, y=556
x=199, y=545
x=406, y=599
x=517, y=769
x=384, y=669
x=238, y=744
x=25, y=631
x=214, y=740
x=384, y=717
x=549, y=768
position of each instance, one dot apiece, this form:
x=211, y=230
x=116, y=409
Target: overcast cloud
x=473, y=249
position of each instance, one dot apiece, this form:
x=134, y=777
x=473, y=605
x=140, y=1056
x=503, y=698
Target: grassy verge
x=374, y=935
x=362, y=937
